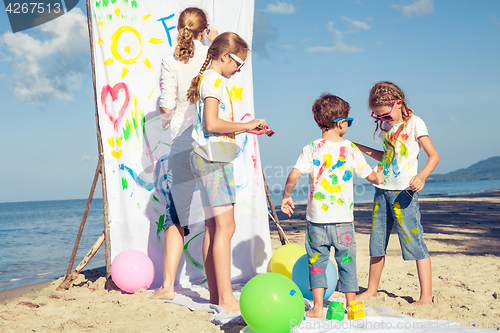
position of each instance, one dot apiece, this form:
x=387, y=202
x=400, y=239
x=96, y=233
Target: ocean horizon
x=37, y=237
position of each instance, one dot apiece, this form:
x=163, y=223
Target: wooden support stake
x=70, y=278
x=84, y=219
x=100, y=149
x=283, y=239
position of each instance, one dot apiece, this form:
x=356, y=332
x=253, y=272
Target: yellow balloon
x=285, y=257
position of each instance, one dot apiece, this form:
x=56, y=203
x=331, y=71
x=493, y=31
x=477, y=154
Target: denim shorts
x=402, y=207
x=319, y=238
x=215, y=181
x=180, y=182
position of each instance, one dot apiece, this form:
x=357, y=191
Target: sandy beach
x=462, y=234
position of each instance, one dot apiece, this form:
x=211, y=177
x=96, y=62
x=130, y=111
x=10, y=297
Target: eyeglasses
x=237, y=60
x=349, y=121
x=387, y=116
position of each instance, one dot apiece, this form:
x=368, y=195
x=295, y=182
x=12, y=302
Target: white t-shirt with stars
x=216, y=147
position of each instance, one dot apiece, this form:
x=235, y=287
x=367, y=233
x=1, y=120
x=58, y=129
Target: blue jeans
x=319, y=238
x=180, y=182
x=400, y=206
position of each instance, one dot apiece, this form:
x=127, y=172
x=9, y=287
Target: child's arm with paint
x=417, y=182
x=376, y=178
x=215, y=124
x=374, y=153
x=287, y=205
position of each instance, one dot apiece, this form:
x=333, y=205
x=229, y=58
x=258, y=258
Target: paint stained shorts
x=215, y=181
x=319, y=238
x=402, y=207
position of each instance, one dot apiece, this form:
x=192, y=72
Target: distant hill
x=482, y=170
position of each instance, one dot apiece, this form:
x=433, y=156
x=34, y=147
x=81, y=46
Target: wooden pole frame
x=100, y=170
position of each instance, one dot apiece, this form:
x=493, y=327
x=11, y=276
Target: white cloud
x=281, y=7
x=286, y=47
x=356, y=25
x=86, y=157
x=339, y=45
x=264, y=34
x=51, y=68
x=495, y=21
x=306, y=39
x=3, y=76
x=418, y=8
x=379, y=43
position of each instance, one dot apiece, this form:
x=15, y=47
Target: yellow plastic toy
x=356, y=310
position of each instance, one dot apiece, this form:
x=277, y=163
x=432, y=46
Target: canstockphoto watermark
x=375, y=324
x=25, y=14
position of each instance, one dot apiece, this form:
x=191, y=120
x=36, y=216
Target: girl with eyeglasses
x=214, y=150
x=396, y=200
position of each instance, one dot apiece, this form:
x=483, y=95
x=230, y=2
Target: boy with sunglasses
x=330, y=162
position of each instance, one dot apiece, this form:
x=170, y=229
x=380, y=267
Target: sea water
x=37, y=238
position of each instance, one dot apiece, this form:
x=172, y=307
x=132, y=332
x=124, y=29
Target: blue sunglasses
x=349, y=121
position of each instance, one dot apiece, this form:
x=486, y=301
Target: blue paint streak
x=293, y=292
x=141, y=182
x=316, y=162
x=167, y=29
x=347, y=175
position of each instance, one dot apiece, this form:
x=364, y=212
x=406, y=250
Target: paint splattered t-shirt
x=401, y=153
x=217, y=147
x=330, y=166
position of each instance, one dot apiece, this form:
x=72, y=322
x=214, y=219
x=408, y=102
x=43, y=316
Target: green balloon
x=271, y=303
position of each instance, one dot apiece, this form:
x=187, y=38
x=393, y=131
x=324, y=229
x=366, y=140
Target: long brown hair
x=192, y=22
x=227, y=41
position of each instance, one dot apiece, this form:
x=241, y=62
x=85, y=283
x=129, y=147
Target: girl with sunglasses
x=211, y=159
x=396, y=200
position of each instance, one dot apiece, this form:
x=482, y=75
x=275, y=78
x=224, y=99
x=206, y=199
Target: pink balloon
x=132, y=270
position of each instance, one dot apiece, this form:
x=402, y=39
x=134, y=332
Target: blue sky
x=443, y=54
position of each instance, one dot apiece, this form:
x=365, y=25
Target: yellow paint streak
x=127, y=49
x=108, y=62
x=124, y=72
x=145, y=17
x=118, y=142
x=99, y=41
x=100, y=24
x=117, y=153
x=324, y=207
x=374, y=216
x=328, y=159
x=217, y=83
x=399, y=217
x=148, y=64
x=111, y=142
x=236, y=93
x=149, y=97
x=156, y=40
x=327, y=186
x=117, y=12
x=313, y=259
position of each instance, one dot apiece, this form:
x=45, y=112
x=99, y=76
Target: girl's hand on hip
x=417, y=183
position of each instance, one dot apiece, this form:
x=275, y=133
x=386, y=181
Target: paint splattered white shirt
x=330, y=166
x=401, y=162
x=217, y=147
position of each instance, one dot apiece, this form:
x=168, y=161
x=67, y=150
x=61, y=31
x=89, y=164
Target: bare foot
x=232, y=306
x=163, y=294
x=422, y=301
x=366, y=294
x=315, y=313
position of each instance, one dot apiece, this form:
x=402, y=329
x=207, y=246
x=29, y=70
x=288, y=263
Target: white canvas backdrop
x=130, y=38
